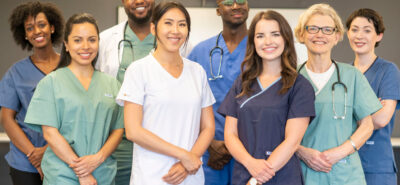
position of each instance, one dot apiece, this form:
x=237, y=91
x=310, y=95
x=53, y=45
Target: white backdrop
x=206, y=23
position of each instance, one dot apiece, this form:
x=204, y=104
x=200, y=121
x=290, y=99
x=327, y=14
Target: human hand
x=36, y=155
x=219, y=155
x=87, y=180
x=40, y=172
x=315, y=160
x=260, y=169
x=176, y=174
x=333, y=155
x=85, y=165
x=191, y=162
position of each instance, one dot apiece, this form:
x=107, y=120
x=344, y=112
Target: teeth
x=39, y=38
x=140, y=8
x=84, y=55
x=319, y=42
x=269, y=49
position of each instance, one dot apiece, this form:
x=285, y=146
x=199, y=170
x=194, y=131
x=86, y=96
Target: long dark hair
x=252, y=65
x=163, y=8
x=65, y=58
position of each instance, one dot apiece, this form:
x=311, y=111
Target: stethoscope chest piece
x=216, y=49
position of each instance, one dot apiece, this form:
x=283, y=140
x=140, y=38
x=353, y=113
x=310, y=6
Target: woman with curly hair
x=36, y=27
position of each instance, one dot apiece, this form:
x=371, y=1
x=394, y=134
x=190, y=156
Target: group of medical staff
x=126, y=107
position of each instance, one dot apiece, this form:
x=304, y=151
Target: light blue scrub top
x=377, y=153
x=325, y=132
x=16, y=90
x=85, y=118
x=230, y=70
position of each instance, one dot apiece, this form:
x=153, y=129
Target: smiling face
x=320, y=43
x=82, y=44
x=38, y=30
x=362, y=36
x=139, y=11
x=234, y=15
x=172, y=30
x=268, y=40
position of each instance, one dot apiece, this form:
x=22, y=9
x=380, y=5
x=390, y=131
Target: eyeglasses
x=325, y=30
x=231, y=2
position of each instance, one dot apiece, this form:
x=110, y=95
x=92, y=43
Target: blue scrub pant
x=217, y=177
x=381, y=178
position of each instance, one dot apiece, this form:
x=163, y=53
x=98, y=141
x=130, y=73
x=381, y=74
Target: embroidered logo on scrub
x=108, y=95
x=370, y=142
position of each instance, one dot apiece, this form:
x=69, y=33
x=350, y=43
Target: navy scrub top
x=377, y=153
x=262, y=118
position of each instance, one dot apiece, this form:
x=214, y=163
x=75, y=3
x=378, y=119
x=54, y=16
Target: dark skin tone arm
x=19, y=139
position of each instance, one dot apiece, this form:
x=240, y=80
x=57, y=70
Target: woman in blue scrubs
x=36, y=27
x=268, y=108
x=343, y=104
x=365, y=31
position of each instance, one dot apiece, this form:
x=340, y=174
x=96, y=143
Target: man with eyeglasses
x=221, y=57
x=120, y=45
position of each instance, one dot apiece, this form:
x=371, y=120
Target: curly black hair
x=23, y=11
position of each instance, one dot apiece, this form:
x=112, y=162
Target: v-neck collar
x=262, y=90
x=371, y=66
x=130, y=34
x=305, y=74
x=29, y=58
x=166, y=72
x=78, y=83
x=235, y=52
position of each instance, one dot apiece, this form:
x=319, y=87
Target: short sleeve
x=229, y=106
x=118, y=119
x=301, y=99
x=132, y=89
x=389, y=87
x=207, y=97
x=118, y=114
x=42, y=108
x=365, y=101
x=8, y=92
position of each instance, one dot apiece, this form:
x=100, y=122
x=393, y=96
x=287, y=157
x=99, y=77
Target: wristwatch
x=253, y=181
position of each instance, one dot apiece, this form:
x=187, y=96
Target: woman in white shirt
x=168, y=106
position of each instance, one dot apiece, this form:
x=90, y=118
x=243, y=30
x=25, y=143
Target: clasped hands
x=84, y=166
x=35, y=158
x=321, y=161
x=188, y=165
x=260, y=169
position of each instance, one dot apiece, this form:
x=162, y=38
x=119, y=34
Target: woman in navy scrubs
x=268, y=108
x=365, y=31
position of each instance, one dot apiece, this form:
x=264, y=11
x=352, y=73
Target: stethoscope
x=216, y=48
x=121, y=42
x=339, y=82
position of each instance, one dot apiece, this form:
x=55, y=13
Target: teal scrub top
x=137, y=50
x=83, y=117
x=325, y=132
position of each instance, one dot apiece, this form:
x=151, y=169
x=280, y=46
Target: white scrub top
x=171, y=110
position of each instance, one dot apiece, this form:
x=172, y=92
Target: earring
x=26, y=38
x=52, y=31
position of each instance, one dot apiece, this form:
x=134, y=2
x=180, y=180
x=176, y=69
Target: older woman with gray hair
x=343, y=105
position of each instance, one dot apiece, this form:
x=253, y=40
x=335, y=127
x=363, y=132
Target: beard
x=139, y=20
